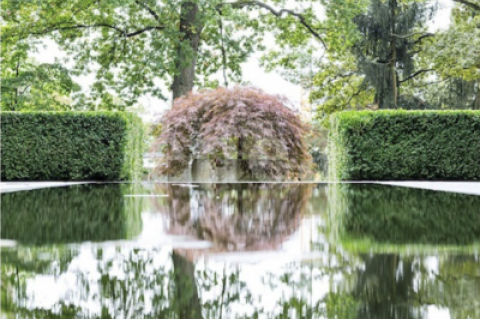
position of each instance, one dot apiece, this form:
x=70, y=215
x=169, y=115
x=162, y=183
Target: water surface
x=240, y=251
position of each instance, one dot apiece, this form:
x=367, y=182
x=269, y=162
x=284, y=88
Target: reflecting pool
x=259, y=250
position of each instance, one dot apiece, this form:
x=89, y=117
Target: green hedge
x=405, y=145
x=39, y=146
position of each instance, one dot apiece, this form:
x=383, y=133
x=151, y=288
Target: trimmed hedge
x=405, y=145
x=39, y=146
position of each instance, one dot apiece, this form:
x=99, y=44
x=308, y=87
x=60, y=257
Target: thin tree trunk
x=186, y=58
x=393, y=71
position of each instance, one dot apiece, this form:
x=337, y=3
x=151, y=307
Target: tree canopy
x=350, y=54
x=134, y=45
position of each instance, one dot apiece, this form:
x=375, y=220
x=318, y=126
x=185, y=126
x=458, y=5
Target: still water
x=240, y=251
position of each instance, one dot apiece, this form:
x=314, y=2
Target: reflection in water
x=235, y=217
x=128, y=279
x=68, y=214
x=404, y=215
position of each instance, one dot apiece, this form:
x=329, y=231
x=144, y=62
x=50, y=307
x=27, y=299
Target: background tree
x=455, y=54
x=244, y=124
x=391, y=33
x=29, y=85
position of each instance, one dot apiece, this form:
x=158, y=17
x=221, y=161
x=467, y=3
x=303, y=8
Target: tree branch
x=426, y=35
x=99, y=25
x=469, y=4
x=415, y=74
x=241, y=4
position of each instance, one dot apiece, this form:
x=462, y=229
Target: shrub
x=405, y=145
x=243, y=124
x=71, y=146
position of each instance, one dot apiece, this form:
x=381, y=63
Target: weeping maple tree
x=242, y=123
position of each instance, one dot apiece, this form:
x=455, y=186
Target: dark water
x=240, y=251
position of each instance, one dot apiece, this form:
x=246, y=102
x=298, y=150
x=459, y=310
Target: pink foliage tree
x=244, y=124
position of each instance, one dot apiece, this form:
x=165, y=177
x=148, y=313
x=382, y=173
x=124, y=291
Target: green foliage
x=31, y=86
x=405, y=145
x=456, y=51
x=69, y=214
x=131, y=46
x=71, y=146
x=401, y=215
x=244, y=124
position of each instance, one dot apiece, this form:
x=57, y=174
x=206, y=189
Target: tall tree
x=390, y=32
x=134, y=44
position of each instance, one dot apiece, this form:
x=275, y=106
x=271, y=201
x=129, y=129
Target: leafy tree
x=455, y=55
x=391, y=33
x=371, y=58
x=133, y=44
x=245, y=124
x=29, y=85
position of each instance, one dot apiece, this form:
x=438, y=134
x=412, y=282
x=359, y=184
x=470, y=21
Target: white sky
x=271, y=82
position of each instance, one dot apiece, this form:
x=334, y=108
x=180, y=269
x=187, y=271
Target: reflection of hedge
x=402, y=145
x=403, y=215
x=71, y=146
x=68, y=214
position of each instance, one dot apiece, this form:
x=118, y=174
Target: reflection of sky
x=255, y=270
x=253, y=266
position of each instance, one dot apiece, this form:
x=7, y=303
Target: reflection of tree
x=236, y=217
x=186, y=291
x=385, y=288
x=456, y=286
x=23, y=263
x=401, y=287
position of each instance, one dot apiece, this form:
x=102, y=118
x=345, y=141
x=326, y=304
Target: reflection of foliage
x=404, y=215
x=382, y=291
x=122, y=281
x=237, y=216
x=244, y=124
x=68, y=214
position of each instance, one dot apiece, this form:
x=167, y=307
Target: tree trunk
x=393, y=71
x=186, y=58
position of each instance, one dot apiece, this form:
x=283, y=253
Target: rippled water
x=239, y=251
